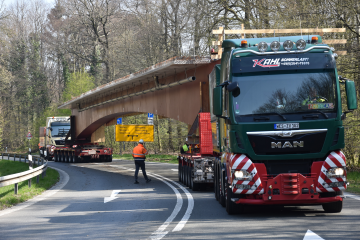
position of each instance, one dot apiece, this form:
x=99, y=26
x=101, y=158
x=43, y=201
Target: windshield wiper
x=272, y=113
x=324, y=114
x=261, y=118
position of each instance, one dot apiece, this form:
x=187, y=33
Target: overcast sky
x=8, y=2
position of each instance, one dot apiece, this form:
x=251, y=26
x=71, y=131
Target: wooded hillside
x=52, y=53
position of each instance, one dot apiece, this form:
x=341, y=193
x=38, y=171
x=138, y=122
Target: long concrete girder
x=182, y=102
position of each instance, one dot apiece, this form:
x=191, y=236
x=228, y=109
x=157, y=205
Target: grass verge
x=7, y=195
x=150, y=158
x=353, y=178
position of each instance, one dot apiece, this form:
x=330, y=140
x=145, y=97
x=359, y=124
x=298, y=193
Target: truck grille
x=59, y=142
x=272, y=145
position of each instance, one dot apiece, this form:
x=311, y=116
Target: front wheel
x=230, y=205
x=334, y=207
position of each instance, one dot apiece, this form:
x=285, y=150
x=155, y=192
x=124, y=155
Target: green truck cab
x=277, y=104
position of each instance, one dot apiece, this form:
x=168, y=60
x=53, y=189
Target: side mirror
x=234, y=89
x=217, y=101
x=351, y=95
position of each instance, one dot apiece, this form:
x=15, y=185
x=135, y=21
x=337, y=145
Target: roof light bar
x=275, y=46
x=300, y=44
x=262, y=46
x=288, y=45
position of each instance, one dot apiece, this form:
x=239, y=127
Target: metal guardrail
x=26, y=175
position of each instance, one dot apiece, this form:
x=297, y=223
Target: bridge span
x=177, y=88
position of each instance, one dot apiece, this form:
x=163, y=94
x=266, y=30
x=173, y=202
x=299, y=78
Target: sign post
x=29, y=136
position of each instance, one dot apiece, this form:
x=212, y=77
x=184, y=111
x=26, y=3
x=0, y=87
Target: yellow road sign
x=133, y=133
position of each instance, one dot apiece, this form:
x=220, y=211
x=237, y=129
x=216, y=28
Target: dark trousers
x=140, y=164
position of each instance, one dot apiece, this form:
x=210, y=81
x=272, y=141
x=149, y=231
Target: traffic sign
x=150, y=118
x=119, y=121
x=29, y=136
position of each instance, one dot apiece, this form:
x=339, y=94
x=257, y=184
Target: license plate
x=91, y=152
x=286, y=125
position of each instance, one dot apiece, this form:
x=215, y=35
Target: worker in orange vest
x=139, y=153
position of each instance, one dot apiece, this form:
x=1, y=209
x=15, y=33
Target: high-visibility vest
x=139, y=152
x=185, y=148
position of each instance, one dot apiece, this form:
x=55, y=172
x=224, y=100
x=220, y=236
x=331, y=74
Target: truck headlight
x=335, y=172
x=242, y=175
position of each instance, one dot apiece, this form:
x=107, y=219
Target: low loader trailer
x=276, y=126
x=56, y=136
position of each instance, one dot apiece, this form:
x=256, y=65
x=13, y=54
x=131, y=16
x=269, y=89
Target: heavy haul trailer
x=196, y=165
x=62, y=148
x=277, y=107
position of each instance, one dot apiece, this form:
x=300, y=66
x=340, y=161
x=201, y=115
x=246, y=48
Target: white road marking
x=189, y=209
x=160, y=233
x=310, y=235
x=64, y=178
x=357, y=197
x=175, y=170
x=112, y=196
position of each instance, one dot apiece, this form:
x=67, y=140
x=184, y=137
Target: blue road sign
x=119, y=121
x=150, y=115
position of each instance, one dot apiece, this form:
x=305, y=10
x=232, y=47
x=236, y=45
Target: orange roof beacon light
x=314, y=40
x=244, y=44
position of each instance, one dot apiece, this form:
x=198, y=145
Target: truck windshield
x=286, y=92
x=60, y=129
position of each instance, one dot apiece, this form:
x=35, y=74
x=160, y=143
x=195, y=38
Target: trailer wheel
x=222, y=189
x=60, y=156
x=72, y=158
x=191, y=180
x=334, y=207
x=230, y=205
x=55, y=157
x=216, y=182
x=179, y=170
x=187, y=174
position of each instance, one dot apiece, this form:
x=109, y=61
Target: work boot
x=149, y=180
x=136, y=182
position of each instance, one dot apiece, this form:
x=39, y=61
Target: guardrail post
x=2, y=156
x=8, y=156
x=20, y=158
x=29, y=183
x=16, y=189
x=37, y=179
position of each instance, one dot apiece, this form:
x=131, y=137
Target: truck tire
x=72, y=158
x=179, y=169
x=191, y=180
x=231, y=207
x=56, y=157
x=334, y=207
x=216, y=182
x=187, y=176
x=222, y=192
x=61, y=157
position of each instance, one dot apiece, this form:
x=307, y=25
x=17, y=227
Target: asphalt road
x=101, y=201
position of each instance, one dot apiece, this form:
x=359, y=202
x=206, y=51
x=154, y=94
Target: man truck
x=276, y=121
x=55, y=143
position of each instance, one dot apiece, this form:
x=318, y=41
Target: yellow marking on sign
x=133, y=133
